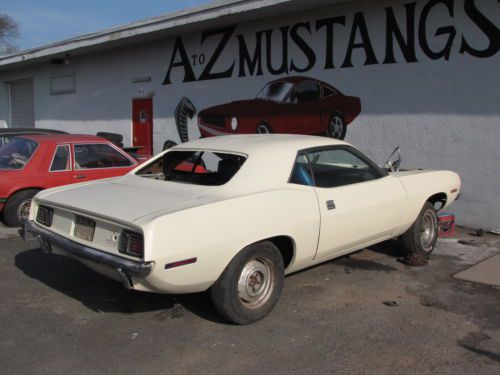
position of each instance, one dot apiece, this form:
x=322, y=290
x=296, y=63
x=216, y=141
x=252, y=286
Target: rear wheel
x=264, y=128
x=420, y=239
x=168, y=144
x=17, y=207
x=336, y=127
x=251, y=284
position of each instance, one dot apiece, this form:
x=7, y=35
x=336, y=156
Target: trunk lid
x=127, y=198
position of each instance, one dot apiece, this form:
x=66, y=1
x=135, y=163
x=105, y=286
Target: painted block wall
x=438, y=104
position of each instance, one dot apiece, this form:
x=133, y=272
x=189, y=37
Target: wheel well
x=438, y=200
x=23, y=189
x=337, y=113
x=286, y=247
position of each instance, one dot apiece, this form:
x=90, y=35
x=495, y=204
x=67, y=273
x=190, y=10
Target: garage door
x=22, y=114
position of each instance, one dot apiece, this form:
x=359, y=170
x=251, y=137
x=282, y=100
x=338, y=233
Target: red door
x=142, y=125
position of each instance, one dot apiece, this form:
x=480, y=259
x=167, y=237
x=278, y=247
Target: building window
x=65, y=84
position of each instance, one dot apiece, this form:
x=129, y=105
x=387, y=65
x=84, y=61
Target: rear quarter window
x=194, y=167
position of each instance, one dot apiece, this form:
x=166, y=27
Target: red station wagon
x=31, y=163
x=296, y=105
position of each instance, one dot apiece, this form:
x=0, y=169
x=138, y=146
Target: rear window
x=17, y=153
x=194, y=167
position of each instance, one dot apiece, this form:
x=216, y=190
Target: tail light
x=131, y=243
x=44, y=216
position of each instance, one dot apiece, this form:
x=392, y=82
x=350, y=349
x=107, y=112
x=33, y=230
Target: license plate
x=84, y=228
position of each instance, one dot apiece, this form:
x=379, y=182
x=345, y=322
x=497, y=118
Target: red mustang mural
x=298, y=105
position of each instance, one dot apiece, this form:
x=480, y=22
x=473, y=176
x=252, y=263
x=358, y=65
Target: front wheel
x=251, y=284
x=336, y=127
x=420, y=239
x=17, y=207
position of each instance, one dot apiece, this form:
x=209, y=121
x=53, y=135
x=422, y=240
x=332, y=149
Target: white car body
x=211, y=224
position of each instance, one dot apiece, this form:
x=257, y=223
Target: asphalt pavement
x=363, y=314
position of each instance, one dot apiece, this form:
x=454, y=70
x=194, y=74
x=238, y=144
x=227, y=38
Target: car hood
x=127, y=198
x=240, y=107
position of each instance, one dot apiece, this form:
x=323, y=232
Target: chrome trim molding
x=46, y=238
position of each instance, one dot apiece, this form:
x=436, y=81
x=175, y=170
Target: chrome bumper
x=125, y=267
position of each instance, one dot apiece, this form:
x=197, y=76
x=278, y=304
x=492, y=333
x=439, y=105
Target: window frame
x=379, y=171
x=133, y=162
x=54, y=156
x=162, y=155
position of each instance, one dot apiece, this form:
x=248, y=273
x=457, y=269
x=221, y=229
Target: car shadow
x=101, y=294
x=392, y=248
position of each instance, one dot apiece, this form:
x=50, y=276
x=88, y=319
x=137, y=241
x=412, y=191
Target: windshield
x=194, y=167
x=17, y=153
x=275, y=91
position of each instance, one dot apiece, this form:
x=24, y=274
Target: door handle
x=330, y=205
x=79, y=177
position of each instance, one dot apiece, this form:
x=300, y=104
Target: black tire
x=17, y=207
x=263, y=128
x=114, y=138
x=168, y=144
x=336, y=127
x=260, y=264
x=420, y=239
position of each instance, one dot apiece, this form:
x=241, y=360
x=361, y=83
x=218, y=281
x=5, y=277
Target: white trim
x=230, y=11
x=54, y=156
x=9, y=101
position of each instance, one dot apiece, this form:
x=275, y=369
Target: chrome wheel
x=256, y=282
x=428, y=230
x=23, y=211
x=336, y=127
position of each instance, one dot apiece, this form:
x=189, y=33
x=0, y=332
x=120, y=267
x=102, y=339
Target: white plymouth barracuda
x=235, y=214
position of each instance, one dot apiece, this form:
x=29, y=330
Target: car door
x=94, y=161
x=359, y=203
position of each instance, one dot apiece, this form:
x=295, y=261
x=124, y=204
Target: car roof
x=261, y=143
x=270, y=157
x=296, y=79
x=29, y=131
x=64, y=138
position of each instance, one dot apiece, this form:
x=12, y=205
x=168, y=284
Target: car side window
x=328, y=92
x=99, y=155
x=306, y=91
x=61, y=159
x=339, y=167
x=301, y=173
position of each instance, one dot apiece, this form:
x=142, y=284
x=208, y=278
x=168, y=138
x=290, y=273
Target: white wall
x=444, y=113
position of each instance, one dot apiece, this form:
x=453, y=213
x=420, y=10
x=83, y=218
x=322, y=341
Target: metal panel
x=22, y=113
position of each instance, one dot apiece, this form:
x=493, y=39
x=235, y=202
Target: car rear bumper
x=125, y=268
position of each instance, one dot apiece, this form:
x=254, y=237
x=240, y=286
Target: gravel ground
x=363, y=314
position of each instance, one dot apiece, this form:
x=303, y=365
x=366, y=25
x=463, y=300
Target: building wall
x=436, y=95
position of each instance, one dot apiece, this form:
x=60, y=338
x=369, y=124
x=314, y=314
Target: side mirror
x=394, y=161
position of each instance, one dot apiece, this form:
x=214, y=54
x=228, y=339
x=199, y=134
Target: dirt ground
x=363, y=314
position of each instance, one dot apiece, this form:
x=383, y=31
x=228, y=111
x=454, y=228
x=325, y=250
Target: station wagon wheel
x=264, y=128
x=336, y=127
x=17, y=207
x=420, y=239
x=251, y=284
